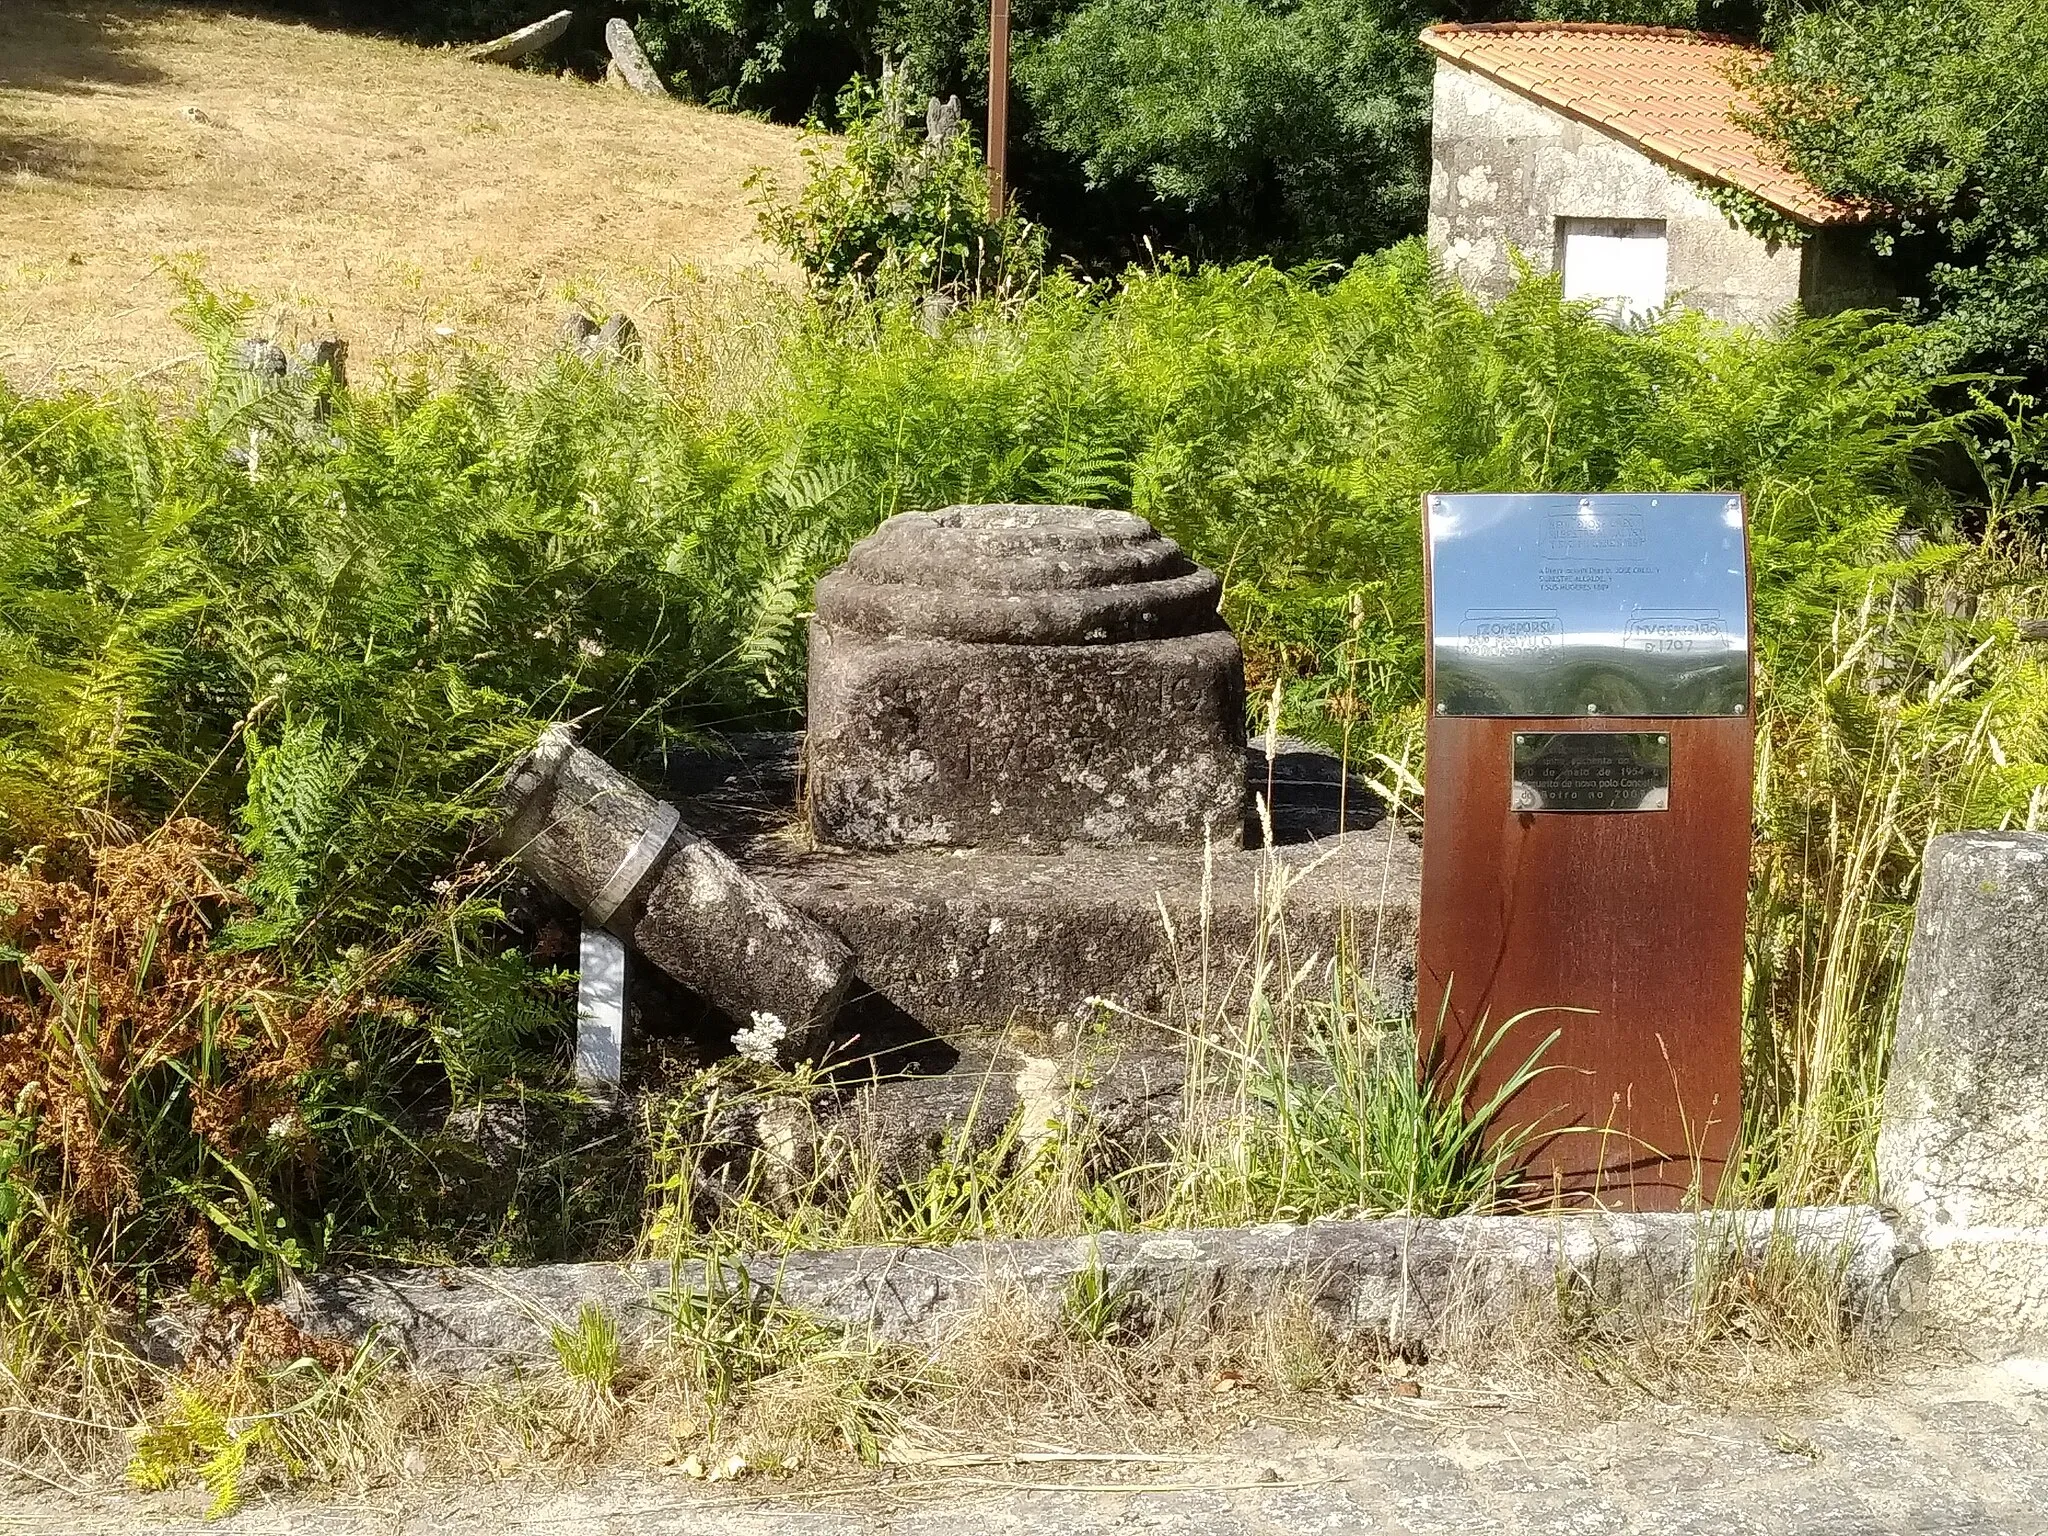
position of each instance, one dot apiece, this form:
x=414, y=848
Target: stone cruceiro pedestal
x=1962, y=1154
x=1030, y=806
x=1020, y=677
x=967, y=944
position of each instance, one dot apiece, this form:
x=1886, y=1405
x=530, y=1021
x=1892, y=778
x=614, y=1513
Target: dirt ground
x=1955, y=1449
x=395, y=196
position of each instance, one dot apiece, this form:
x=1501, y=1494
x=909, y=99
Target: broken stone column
x=617, y=337
x=323, y=366
x=328, y=355
x=591, y=835
x=1023, y=677
x=941, y=121
x=1962, y=1153
x=631, y=60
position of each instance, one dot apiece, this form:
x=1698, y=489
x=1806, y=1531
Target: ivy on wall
x=1745, y=210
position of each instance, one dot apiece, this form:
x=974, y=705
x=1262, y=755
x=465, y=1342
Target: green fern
x=335, y=644
x=764, y=649
x=493, y=1021
x=195, y=1438
x=298, y=797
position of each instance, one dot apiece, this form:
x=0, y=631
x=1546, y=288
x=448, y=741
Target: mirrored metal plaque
x=1591, y=771
x=1589, y=605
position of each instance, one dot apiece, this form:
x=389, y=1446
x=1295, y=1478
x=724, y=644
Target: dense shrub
x=322, y=638
x=900, y=207
x=1297, y=129
x=788, y=58
x=1286, y=432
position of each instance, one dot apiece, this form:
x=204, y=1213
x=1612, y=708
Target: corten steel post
x=1586, y=836
x=998, y=102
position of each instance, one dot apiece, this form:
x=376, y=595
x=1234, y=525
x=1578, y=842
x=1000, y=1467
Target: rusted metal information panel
x=1587, y=826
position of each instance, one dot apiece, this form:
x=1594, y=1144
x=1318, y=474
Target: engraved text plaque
x=1591, y=771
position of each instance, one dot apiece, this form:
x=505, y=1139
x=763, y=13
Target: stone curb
x=1413, y=1282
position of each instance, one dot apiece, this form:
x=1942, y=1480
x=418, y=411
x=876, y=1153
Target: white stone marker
x=601, y=1010
x=592, y=835
x=631, y=59
x=529, y=39
x=1962, y=1153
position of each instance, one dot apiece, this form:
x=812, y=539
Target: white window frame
x=1622, y=266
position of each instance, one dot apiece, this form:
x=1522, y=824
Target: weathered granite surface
x=974, y=941
x=1409, y=1281
x=525, y=40
x=630, y=59
x=1115, y=1100
x=624, y=859
x=1963, y=1146
x=1022, y=677
x=965, y=941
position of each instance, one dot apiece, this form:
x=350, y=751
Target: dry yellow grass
x=353, y=186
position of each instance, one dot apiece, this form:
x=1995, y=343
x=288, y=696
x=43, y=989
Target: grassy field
x=392, y=195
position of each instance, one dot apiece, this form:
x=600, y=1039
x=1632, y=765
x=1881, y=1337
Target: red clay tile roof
x=1669, y=93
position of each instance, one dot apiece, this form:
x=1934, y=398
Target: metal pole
x=998, y=102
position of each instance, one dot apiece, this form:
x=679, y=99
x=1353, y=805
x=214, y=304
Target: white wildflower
x=758, y=1041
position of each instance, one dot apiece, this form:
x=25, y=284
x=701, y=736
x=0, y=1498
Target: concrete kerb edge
x=1411, y=1282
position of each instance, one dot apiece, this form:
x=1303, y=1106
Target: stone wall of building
x=1504, y=170
x=1843, y=272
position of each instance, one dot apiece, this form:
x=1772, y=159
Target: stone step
x=959, y=943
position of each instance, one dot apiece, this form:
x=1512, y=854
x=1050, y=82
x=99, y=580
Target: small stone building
x=1591, y=150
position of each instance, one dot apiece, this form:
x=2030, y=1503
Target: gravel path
x=1945, y=1452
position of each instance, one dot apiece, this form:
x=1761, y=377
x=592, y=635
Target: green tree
x=1289, y=129
x=787, y=58
x=1936, y=111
